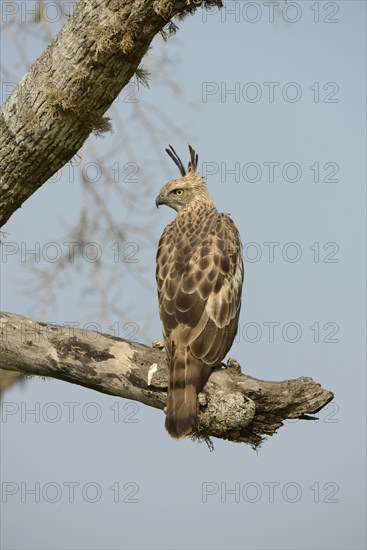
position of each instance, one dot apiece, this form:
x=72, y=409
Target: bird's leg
x=157, y=344
x=234, y=365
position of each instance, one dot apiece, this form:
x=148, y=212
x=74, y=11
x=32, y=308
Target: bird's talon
x=157, y=344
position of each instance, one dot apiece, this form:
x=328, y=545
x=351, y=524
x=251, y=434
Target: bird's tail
x=187, y=377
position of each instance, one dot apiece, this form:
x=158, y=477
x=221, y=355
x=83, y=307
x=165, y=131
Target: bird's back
x=199, y=279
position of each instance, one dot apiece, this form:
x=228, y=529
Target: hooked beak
x=159, y=200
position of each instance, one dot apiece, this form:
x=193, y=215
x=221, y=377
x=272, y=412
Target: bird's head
x=180, y=192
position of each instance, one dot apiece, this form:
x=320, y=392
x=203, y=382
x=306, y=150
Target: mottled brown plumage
x=199, y=278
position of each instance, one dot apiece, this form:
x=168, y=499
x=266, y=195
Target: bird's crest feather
x=193, y=162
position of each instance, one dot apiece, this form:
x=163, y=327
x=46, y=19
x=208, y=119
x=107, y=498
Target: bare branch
x=64, y=95
x=233, y=406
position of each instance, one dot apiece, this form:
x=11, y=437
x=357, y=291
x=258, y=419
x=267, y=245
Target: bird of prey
x=199, y=278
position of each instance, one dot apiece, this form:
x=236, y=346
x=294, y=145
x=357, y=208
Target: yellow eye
x=179, y=192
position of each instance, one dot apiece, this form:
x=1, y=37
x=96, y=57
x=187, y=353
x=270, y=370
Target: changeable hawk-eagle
x=199, y=278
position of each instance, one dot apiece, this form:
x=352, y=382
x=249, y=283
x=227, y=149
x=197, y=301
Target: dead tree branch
x=233, y=406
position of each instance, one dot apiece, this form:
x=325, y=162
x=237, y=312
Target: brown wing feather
x=199, y=278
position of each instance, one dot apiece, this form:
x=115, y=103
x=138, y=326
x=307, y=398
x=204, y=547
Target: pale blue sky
x=317, y=470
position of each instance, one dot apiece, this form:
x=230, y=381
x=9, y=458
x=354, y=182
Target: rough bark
x=64, y=95
x=233, y=406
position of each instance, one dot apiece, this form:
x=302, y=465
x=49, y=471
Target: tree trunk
x=233, y=406
x=64, y=95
